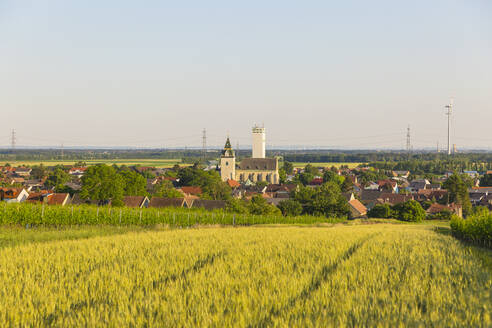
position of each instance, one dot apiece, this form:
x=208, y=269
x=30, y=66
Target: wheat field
x=373, y=275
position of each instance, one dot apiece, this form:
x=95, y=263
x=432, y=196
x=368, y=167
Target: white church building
x=256, y=168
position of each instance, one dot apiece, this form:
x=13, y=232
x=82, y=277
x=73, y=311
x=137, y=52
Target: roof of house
x=191, y=190
x=57, y=198
x=166, y=202
x=436, y=208
x=316, y=182
x=10, y=193
x=208, y=204
x=233, y=183
x=358, y=206
x=268, y=164
x=369, y=195
x=393, y=199
x=134, y=201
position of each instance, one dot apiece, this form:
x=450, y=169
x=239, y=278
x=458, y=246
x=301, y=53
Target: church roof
x=269, y=164
x=227, y=151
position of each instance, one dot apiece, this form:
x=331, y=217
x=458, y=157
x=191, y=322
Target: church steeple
x=227, y=151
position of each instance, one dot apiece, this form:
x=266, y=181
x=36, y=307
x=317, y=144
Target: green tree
x=326, y=200
x=410, y=211
x=290, y=207
x=330, y=176
x=102, y=183
x=167, y=190
x=458, y=192
x=282, y=176
x=235, y=205
x=38, y=172
x=57, y=178
x=288, y=168
x=134, y=183
x=486, y=181
x=209, y=181
x=258, y=205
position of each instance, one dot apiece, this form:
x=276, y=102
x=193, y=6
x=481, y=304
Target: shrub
x=290, y=207
x=410, y=211
x=380, y=211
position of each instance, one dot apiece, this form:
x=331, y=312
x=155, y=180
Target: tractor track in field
x=199, y=264
x=320, y=278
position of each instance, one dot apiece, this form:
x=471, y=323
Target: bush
x=382, y=211
x=476, y=229
x=442, y=215
x=290, y=207
x=410, y=211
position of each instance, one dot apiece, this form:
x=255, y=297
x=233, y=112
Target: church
x=256, y=168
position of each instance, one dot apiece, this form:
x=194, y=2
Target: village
x=273, y=184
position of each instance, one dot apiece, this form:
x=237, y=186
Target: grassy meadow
x=360, y=275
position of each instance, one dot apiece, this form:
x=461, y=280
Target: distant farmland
x=160, y=163
x=327, y=164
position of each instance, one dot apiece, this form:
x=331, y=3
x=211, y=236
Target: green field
x=363, y=275
x=160, y=163
x=326, y=164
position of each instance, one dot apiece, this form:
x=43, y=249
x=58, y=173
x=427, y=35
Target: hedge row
x=476, y=229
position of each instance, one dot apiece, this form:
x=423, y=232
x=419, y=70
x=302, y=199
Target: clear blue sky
x=331, y=73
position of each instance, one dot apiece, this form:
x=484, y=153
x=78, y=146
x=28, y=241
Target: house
x=233, y=183
x=372, y=186
x=431, y=194
x=487, y=201
x=158, y=202
x=191, y=191
x=419, y=184
x=207, y=204
x=393, y=199
x=401, y=174
x=471, y=174
x=23, y=171
x=388, y=185
x=60, y=199
x=13, y=195
x=357, y=209
x=436, y=208
x=316, y=182
x=136, y=201
x=77, y=172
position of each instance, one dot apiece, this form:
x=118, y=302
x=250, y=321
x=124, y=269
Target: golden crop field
x=367, y=275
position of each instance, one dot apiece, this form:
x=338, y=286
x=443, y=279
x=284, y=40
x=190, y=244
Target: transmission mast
x=204, y=143
x=13, y=139
x=409, y=145
x=449, y=111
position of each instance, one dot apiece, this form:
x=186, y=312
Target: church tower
x=258, y=142
x=228, y=162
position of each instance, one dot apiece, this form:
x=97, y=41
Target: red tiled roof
x=133, y=201
x=191, y=190
x=358, y=206
x=57, y=198
x=233, y=183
